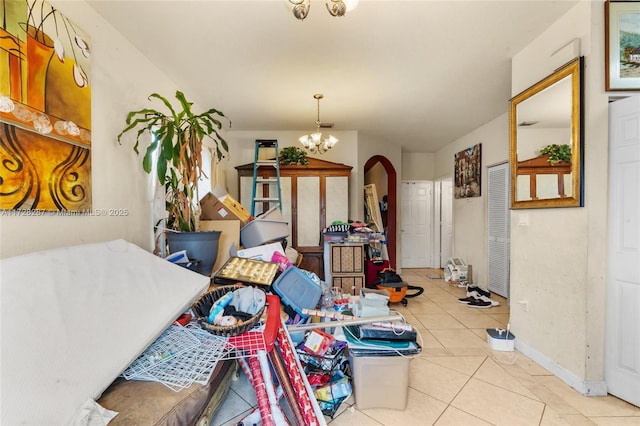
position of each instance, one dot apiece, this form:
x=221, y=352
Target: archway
x=392, y=202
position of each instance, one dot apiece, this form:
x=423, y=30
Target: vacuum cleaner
x=390, y=281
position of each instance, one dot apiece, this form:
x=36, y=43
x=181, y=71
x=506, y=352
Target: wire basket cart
x=185, y=355
x=269, y=347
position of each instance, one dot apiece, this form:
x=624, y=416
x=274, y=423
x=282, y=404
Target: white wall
x=121, y=79
x=470, y=214
x=419, y=166
x=558, y=262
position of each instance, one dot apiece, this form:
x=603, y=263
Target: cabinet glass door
x=308, y=214
x=337, y=199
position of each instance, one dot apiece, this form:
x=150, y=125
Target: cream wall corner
x=558, y=262
x=470, y=214
x=418, y=166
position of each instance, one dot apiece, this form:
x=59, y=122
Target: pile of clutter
x=338, y=346
x=338, y=336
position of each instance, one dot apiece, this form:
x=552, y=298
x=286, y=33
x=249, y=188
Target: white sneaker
x=487, y=299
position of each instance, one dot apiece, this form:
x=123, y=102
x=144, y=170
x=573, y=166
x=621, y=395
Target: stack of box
x=226, y=215
x=347, y=267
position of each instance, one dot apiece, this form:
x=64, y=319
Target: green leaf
x=178, y=166
x=148, y=157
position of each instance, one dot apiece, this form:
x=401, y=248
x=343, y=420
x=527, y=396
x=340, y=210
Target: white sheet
x=74, y=318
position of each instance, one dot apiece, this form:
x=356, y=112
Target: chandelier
x=314, y=142
x=300, y=8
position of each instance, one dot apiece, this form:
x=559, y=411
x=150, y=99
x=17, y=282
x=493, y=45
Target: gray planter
x=201, y=246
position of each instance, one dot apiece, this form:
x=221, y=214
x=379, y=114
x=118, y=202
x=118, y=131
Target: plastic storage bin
x=387, y=388
x=258, y=232
x=273, y=213
x=297, y=290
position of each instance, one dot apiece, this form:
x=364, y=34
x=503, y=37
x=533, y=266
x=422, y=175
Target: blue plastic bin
x=297, y=290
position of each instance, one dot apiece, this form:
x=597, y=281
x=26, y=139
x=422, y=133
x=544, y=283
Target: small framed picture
x=622, y=45
x=467, y=170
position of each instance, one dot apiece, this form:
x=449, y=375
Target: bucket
x=201, y=246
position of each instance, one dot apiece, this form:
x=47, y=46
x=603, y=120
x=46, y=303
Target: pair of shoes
x=478, y=298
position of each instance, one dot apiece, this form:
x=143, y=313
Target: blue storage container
x=297, y=290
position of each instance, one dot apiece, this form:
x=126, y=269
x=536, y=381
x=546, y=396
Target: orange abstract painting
x=45, y=109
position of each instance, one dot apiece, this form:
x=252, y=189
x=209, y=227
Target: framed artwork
x=45, y=110
x=622, y=45
x=467, y=171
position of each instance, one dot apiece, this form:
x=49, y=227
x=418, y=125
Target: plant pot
x=201, y=246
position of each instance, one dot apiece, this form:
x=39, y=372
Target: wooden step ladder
x=266, y=190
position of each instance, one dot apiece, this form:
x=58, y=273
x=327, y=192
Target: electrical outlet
x=524, y=304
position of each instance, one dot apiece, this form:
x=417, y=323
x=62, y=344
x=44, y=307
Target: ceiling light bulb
x=299, y=8
x=336, y=7
x=350, y=4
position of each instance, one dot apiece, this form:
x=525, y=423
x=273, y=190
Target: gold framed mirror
x=545, y=135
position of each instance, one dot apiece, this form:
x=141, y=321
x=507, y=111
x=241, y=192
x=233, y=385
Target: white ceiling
x=419, y=74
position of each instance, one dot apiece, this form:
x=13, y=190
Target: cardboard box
x=226, y=208
x=230, y=237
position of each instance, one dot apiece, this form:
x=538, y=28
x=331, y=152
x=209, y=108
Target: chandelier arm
x=314, y=143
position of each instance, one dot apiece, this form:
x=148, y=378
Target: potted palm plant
x=174, y=151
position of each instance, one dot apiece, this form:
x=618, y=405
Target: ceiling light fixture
x=314, y=142
x=300, y=8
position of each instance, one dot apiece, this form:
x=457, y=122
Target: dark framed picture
x=467, y=172
x=622, y=45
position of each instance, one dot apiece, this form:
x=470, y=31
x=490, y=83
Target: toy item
x=218, y=307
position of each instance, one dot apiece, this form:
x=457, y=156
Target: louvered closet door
x=498, y=229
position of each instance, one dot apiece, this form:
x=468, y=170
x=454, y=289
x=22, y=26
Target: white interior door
x=417, y=224
x=622, y=354
x=436, y=243
x=498, y=229
x=446, y=221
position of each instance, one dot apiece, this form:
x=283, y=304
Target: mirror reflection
x=545, y=125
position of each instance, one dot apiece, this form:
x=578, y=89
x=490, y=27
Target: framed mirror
x=545, y=132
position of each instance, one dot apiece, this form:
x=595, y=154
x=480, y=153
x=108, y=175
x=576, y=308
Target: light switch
x=523, y=220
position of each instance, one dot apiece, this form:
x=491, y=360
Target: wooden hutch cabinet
x=313, y=196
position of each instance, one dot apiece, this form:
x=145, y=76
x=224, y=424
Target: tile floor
x=459, y=380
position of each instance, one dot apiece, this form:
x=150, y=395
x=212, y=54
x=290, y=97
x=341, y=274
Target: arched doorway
x=392, y=202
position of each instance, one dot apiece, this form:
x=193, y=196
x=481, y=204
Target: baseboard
x=586, y=388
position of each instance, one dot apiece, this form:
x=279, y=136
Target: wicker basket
x=202, y=306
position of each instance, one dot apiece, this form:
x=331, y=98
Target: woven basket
x=202, y=306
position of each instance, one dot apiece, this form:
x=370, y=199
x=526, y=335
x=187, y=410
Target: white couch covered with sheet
x=74, y=318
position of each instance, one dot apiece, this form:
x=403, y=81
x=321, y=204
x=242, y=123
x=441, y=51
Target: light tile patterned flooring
x=459, y=380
